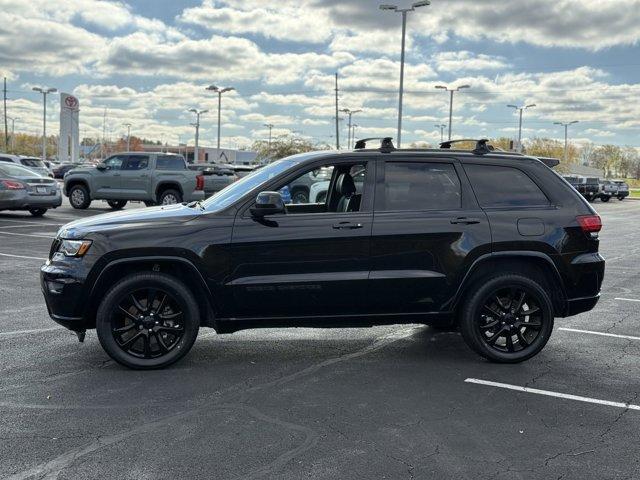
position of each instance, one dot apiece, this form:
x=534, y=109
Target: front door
x=135, y=179
x=313, y=260
x=427, y=230
x=108, y=181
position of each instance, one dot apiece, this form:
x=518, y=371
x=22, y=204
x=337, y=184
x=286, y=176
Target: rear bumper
x=24, y=201
x=622, y=194
x=196, y=195
x=576, y=306
x=587, y=276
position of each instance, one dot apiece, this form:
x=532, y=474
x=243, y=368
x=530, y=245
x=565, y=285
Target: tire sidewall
x=165, y=282
x=471, y=312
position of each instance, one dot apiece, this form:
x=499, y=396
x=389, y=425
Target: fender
x=517, y=254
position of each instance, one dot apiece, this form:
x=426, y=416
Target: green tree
x=285, y=146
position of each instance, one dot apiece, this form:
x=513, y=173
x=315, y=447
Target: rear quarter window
x=497, y=186
x=170, y=162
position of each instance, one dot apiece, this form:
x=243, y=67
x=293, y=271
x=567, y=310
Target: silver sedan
x=24, y=189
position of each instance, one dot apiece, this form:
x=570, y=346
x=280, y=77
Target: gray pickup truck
x=152, y=178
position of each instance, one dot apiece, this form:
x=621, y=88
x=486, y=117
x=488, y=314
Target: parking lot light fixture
x=566, y=137
x=220, y=92
x=196, y=155
x=520, y=110
x=44, y=91
x=270, y=127
x=128, y=125
x=451, y=91
x=404, y=12
x=351, y=113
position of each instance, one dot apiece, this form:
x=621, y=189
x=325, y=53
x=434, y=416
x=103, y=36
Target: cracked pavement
x=385, y=402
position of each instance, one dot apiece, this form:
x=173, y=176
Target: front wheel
x=79, y=197
x=605, y=199
x=148, y=321
x=621, y=198
x=508, y=319
x=37, y=212
x=117, y=204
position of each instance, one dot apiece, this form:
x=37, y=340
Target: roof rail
x=386, y=144
x=482, y=147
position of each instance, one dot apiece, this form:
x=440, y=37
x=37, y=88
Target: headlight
x=74, y=248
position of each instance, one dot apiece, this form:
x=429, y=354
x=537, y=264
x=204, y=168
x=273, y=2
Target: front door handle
x=347, y=226
x=464, y=221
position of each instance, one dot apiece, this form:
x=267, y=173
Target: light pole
x=219, y=91
x=520, y=110
x=270, y=127
x=13, y=132
x=44, y=92
x=128, y=125
x=196, y=156
x=404, y=12
x=442, y=126
x=566, y=137
x=451, y=91
x=351, y=113
x=353, y=133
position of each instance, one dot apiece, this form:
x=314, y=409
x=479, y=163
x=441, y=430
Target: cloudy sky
x=148, y=61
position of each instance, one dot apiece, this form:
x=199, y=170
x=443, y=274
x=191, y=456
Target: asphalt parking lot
x=386, y=402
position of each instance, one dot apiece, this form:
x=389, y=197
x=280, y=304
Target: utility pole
x=337, y=115
x=351, y=113
x=404, y=12
x=44, y=92
x=104, y=133
x=566, y=137
x=13, y=133
x=520, y=110
x=353, y=133
x=128, y=125
x=219, y=91
x=442, y=126
x=196, y=153
x=6, y=128
x=451, y=90
x=270, y=127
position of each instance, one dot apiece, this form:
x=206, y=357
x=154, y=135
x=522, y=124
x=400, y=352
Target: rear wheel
x=605, y=198
x=300, y=196
x=508, y=319
x=147, y=321
x=170, y=197
x=79, y=197
x=117, y=204
x=37, y=212
x=621, y=198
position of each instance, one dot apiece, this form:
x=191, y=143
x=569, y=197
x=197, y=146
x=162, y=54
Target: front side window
x=137, y=162
x=115, y=163
x=170, y=162
x=419, y=186
x=497, y=186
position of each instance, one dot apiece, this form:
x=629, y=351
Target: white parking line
x=26, y=235
x=22, y=256
x=27, y=332
x=602, y=334
x=628, y=300
x=549, y=393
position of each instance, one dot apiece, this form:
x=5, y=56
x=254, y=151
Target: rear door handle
x=464, y=221
x=347, y=226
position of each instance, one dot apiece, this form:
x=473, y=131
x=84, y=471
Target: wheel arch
x=69, y=184
x=536, y=265
x=181, y=268
x=167, y=185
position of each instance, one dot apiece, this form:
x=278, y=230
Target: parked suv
x=589, y=187
x=495, y=243
x=153, y=178
x=623, y=189
x=607, y=189
x=32, y=163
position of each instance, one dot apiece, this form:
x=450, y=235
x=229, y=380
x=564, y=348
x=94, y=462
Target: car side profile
x=495, y=244
x=153, y=178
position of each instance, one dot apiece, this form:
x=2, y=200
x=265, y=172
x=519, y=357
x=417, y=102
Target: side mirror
x=102, y=167
x=268, y=203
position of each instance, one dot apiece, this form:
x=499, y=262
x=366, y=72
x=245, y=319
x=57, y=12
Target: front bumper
x=63, y=285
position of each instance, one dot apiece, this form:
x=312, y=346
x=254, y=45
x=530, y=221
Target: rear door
x=135, y=179
x=427, y=230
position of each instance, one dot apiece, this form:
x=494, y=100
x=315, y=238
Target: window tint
x=170, y=162
x=2, y=159
x=504, y=187
x=32, y=162
x=419, y=186
x=114, y=163
x=137, y=162
x=310, y=187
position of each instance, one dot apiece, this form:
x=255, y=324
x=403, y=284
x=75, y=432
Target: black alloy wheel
x=509, y=319
x=148, y=321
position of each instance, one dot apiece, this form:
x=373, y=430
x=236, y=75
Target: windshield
x=32, y=162
x=235, y=191
x=17, y=171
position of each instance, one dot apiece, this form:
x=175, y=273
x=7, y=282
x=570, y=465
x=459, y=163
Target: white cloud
x=464, y=60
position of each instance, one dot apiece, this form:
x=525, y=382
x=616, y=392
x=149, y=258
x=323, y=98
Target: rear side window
x=32, y=162
x=136, y=162
x=170, y=162
x=504, y=187
x=419, y=186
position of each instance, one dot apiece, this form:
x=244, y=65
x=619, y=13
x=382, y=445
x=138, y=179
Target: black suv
x=495, y=244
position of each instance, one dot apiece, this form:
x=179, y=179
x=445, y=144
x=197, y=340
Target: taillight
x=590, y=223
x=200, y=182
x=12, y=185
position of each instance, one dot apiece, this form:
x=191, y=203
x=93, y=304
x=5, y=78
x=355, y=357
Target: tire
x=149, y=204
x=37, y=212
x=489, y=327
x=170, y=197
x=605, y=199
x=140, y=343
x=300, y=197
x=620, y=198
x=117, y=204
x=79, y=197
